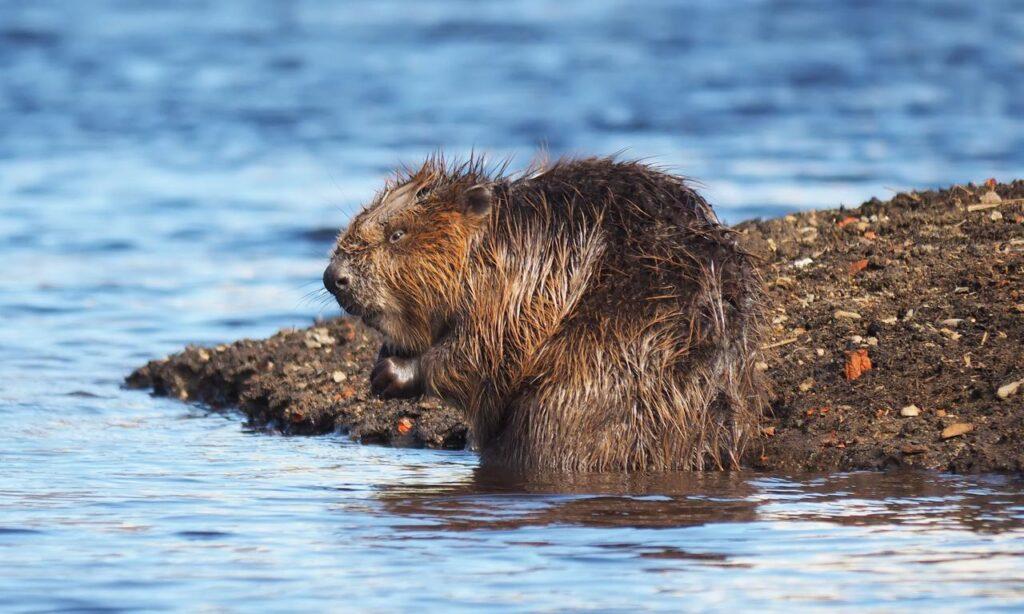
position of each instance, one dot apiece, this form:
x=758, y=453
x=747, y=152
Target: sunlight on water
x=173, y=173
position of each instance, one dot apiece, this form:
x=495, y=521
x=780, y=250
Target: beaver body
x=591, y=315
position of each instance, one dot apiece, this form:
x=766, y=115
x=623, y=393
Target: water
x=166, y=173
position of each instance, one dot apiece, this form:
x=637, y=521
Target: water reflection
x=493, y=499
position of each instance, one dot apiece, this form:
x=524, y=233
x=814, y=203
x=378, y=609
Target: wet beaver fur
x=587, y=315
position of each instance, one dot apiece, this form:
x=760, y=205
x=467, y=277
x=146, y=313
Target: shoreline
x=895, y=340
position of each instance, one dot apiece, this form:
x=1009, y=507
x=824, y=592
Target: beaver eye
x=396, y=235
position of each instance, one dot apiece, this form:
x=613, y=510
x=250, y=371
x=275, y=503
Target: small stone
x=1008, y=390
x=761, y=366
x=819, y=352
x=806, y=385
x=338, y=377
x=857, y=339
x=872, y=341
x=846, y=315
x=888, y=320
x=910, y=411
x=857, y=266
x=803, y=262
x=957, y=429
x=991, y=198
x=995, y=216
x=951, y=322
x=950, y=334
x=317, y=338
x=857, y=363
x=913, y=448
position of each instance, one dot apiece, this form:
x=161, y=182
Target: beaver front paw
x=396, y=378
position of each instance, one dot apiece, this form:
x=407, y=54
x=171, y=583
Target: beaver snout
x=337, y=277
x=338, y=281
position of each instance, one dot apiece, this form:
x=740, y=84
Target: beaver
x=586, y=315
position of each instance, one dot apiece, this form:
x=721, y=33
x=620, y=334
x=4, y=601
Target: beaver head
x=399, y=264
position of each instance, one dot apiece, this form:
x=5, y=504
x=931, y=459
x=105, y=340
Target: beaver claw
x=396, y=378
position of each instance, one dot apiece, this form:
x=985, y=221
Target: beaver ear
x=477, y=200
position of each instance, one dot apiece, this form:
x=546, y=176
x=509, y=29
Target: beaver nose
x=336, y=278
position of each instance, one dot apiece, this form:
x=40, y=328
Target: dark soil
x=894, y=327
x=304, y=382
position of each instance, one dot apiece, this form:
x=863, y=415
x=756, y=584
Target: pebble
x=819, y=352
x=957, y=429
x=872, y=341
x=951, y=334
x=857, y=339
x=338, y=377
x=317, y=338
x=995, y=216
x=910, y=411
x=761, y=366
x=806, y=385
x=848, y=315
x=801, y=263
x=1008, y=390
x=991, y=198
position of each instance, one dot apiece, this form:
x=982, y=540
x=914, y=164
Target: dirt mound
x=897, y=336
x=304, y=382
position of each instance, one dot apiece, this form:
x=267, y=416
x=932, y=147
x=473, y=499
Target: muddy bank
x=897, y=336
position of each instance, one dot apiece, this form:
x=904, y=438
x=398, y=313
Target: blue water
x=167, y=173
